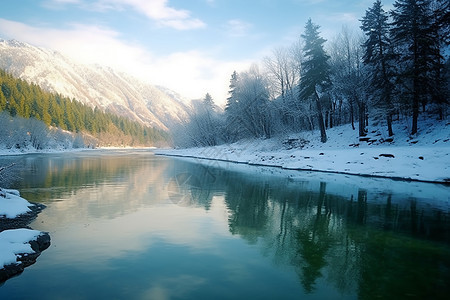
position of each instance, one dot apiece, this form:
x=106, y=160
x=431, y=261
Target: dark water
x=132, y=225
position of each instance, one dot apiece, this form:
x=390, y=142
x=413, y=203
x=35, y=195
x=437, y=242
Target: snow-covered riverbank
x=425, y=157
x=19, y=247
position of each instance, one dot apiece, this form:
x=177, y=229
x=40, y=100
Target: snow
x=13, y=243
x=423, y=157
x=93, y=85
x=12, y=205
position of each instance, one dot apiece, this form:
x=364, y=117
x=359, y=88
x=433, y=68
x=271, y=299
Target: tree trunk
x=331, y=120
x=389, y=124
x=362, y=119
x=415, y=115
x=323, y=134
x=352, y=117
x=415, y=106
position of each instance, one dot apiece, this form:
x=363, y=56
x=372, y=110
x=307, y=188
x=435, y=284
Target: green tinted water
x=132, y=225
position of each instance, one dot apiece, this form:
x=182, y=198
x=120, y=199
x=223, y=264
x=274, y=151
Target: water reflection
x=377, y=245
x=193, y=230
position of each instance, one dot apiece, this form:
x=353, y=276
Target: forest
x=394, y=68
x=32, y=117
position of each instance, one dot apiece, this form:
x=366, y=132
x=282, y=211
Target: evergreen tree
x=316, y=72
x=21, y=99
x=208, y=101
x=2, y=101
x=231, y=100
x=231, y=108
x=412, y=33
x=441, y=34
x=378, y=56
x=209, y=108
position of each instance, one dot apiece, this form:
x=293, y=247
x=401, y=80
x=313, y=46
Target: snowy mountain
x=93, y=85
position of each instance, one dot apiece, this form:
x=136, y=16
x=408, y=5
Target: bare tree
x=349, y=77
x=248, y=113
x=282, y=72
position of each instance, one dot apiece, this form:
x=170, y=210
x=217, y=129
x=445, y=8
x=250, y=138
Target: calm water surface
x=132, y=225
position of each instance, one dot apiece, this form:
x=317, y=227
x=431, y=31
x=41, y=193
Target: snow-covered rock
x=20, y=248
x=12, y=205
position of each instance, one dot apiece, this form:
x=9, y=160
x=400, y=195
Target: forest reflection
x=361, y=241
x=376, y=248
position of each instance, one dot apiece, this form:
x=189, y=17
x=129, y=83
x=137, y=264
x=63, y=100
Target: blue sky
x=190, y=46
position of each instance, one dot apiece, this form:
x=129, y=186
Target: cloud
x=86, y=43
x=191, y=73
x=160, y=11
x=238, y=28
x=156, y=10
x=182, y=24
x=60, y=4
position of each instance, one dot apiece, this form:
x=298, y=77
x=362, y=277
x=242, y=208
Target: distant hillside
x=94, y=85
x=27, y=112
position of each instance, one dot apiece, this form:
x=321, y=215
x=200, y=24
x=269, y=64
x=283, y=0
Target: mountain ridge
x=94, y=85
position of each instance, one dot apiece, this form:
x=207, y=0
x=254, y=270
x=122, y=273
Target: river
x=128, y=224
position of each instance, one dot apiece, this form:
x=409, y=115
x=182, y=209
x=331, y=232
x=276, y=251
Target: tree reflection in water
x=374, y=248
x=362, y=240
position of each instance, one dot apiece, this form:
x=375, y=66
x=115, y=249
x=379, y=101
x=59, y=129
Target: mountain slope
x=93, y=85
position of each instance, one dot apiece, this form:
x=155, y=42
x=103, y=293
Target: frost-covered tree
x=378, y=57
x=283, y=74
x=13, y=132
x=412, y=33
x=350, y=77
x=315, y=80
x=38, y=133
x=247, y=110
x=204, y=127
x=232, y=109
x=208, y=120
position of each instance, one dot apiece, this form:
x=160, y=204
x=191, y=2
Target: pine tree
x=441, y=34
x=208, y=101
x=316, y=77
x=2, y=101
x=378, y=56
x=209, y=108
x=231, y=100
x=412, y=33
x=231, y=108
x=22, y=99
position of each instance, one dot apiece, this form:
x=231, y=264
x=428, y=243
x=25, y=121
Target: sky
x=189, y=46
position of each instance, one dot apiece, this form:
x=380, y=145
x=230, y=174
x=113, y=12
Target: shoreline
x=20, y=246
x=302, y=159
x=396, y=178
x=424, y=157
x=6, y=152
x=428, y=164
